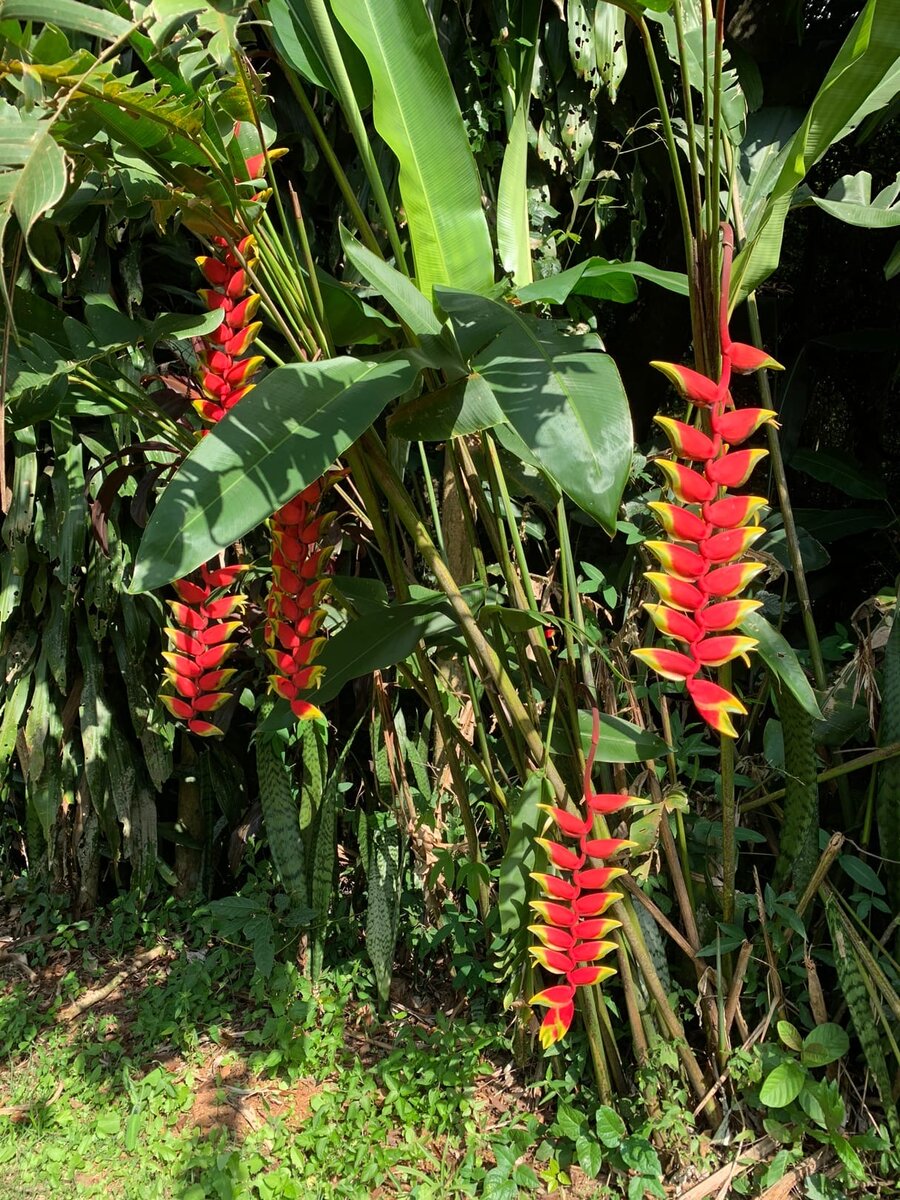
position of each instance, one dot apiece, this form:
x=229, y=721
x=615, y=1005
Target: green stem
x=392, y=559
x=321, y=19
x=595, y=1041
x=671, y=147
x=432, y=499
x=334, y=163
x=488, y=662
x=290, y=290
x=687, y=100
x=778, y=471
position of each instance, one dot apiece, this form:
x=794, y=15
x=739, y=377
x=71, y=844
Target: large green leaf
x=465, y=406
x=382, y=638
x=278, y=440
x=781, y=660
x=700, y=76
x=69, y=14
x=294, y=34
x=410, y=305
x=863, y=78
x=567, y=406
x=602, y=279
x=621, y=741
x=850, y=200
x=32, y=189
x=840, y=471
x=416, y=112
x=761, y=156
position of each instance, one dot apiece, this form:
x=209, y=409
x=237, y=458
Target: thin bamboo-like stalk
x=321, y=19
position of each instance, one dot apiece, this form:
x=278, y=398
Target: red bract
x=200, y=644
x=696, y=586
x=571, y=941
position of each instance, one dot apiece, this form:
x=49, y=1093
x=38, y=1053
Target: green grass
x=199, y=1078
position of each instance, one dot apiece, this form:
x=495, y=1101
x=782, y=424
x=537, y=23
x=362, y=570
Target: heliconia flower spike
x=200, y=647
x=572, y=936
x=293, y=610
x=698, y=583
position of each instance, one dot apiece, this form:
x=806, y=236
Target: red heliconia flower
x=293, y=609
x=701, y=572
x=223, y=371
x=572, y=935
x=200, y=644
x=199, y=638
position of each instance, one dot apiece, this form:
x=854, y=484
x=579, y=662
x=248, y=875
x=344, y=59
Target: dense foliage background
x=479, y=206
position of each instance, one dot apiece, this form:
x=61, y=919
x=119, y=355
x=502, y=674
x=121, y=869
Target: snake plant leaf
x=513, y=235
x=416, y=112
x=277, y=441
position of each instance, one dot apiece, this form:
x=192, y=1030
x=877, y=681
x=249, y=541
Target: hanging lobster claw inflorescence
x=573, y=940
x=709, y=531
x=199, y=638
x=200, y=644
x=293, y=608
